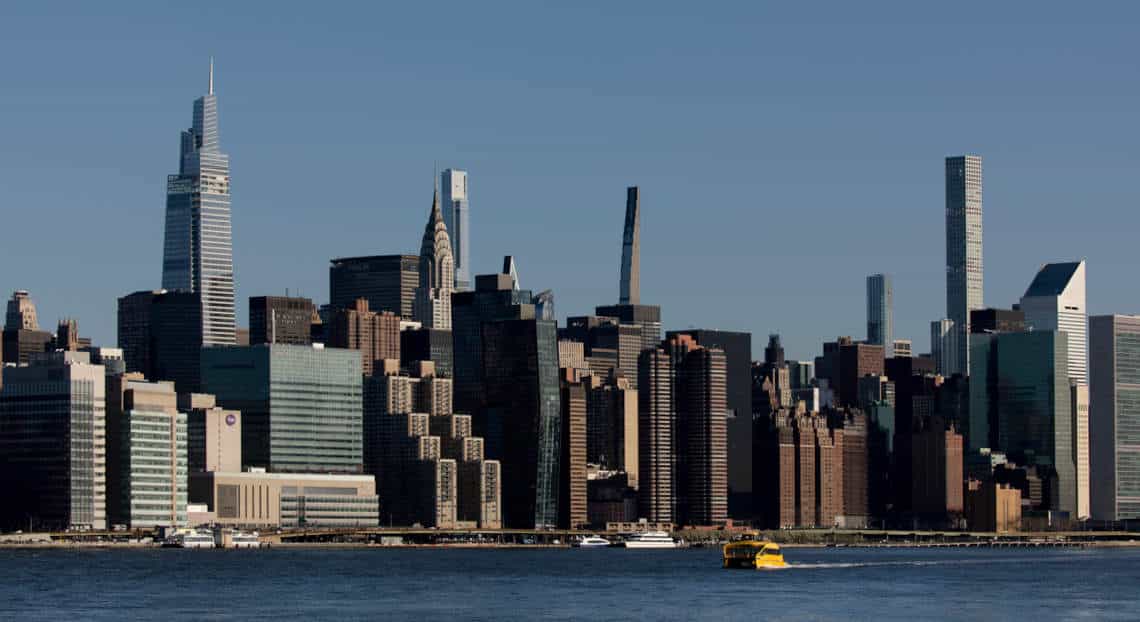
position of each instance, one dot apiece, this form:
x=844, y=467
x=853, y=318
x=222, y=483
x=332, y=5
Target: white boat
x=191, y=539
x=244, y=540
x=650, y=540
x=590, y=542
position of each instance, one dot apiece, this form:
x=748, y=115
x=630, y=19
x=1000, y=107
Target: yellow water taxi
x=757, y=554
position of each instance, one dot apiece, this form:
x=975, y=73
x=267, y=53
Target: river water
x=605, y=584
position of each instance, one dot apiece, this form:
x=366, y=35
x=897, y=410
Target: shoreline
x=497, y=547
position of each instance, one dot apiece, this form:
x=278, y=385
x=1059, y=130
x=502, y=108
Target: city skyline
x=506, y=219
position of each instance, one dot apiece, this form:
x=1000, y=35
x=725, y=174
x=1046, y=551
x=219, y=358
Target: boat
x=592, y=542
x=244, y=540
x=191, y=539
x=757, y=554
x=650, y=540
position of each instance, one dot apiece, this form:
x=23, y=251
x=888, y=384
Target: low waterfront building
x=270, y=500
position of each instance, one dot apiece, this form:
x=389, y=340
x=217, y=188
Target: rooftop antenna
x=211, y=75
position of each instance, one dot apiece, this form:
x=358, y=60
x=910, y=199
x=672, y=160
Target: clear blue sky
x=783, y=154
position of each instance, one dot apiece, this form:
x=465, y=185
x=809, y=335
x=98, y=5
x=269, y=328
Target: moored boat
x=650, y=540
x=592, y=542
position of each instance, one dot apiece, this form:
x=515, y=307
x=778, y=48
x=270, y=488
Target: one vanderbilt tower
x=198, y=250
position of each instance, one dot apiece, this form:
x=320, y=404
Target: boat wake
x=910, y=563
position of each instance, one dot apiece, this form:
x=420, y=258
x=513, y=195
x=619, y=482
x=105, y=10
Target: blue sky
x=783, y=153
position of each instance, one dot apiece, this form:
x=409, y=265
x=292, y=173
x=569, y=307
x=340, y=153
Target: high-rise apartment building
x=280, y=319
x=880, y=305
x=432, y=308
x=388, y=282
x=1114, y=373
x=53, y=444
x=375, y=335
x=630, y=287
x=683, y=413
x=300, y=405
x=737, y=348
x=701, y=403
x=572, y=471
x=198, y=247
x=657, y=423
x=1055, y=301
x=964, y=267
x=457, y=219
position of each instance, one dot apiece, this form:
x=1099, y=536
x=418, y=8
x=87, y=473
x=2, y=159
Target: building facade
x=280, y=319
x=213, y=434
x=630, y=287
x=301, y=406
x=458, y=221
x=432, y=308
x=376, y=336
x=387, y=282
x=198, y=245
x=737, y=348
x=964, y=267
x=1114, y=374
x=53, y=444
x=880, y=305
x=260, y=500
x=147, y=455
x=1055, y=300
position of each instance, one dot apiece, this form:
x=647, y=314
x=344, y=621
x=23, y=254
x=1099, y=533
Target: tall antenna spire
x=211, y=75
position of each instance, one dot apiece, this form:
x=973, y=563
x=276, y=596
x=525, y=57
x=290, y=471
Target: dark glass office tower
x=506, y=377
x=387, y=282
x=198, y=247
x=280, y=319
x=176, y=340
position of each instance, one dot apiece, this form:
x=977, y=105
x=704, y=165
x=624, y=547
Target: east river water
x=599, y=584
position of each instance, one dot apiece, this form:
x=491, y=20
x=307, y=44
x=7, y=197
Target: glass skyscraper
x=963, y=249
x=301, y=406
x=455, y=217
x=198, y=247
x=880, y=300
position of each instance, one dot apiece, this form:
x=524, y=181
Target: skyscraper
x=432, y=306
x=300, y=405
x=737, y=349
x=53, y=444
x=454, y=183
x=21, y=312
x=1114, y=372
x=944, y=346
x=198, y=248
x=280, y=319
x=389, y=282
x=964, y=269
x=880, y=304
x=1055, y=301
x=630, y=293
